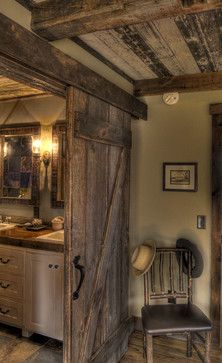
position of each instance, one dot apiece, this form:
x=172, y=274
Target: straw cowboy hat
x=143, y=256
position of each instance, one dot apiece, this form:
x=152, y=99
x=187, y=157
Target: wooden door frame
x=18, y=64
x=216, y=232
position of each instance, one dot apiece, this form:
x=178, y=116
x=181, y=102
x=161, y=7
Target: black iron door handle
x=82, y=276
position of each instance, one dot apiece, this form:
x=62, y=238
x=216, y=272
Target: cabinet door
x=44, y=293
x=12, y=260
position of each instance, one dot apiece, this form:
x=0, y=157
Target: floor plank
x=37, y=349
x=166, y=350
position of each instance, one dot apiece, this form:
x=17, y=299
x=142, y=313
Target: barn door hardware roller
x=82, y=276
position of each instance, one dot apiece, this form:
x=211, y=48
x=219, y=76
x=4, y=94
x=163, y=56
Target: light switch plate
x=201, y=222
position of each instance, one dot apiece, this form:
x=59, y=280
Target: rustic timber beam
x=216, y=109
x=28, y=4
x=20, y=45
x=186, y=83
x=57, y=19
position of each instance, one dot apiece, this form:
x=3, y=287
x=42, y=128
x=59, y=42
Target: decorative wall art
x=180, y=177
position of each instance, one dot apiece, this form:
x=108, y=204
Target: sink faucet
x=8, y=219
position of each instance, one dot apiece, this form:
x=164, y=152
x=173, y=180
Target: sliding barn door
x=97, y=207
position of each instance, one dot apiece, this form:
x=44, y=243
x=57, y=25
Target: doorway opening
x=32, y=152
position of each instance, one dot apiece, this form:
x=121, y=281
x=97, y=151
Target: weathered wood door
x=97, y=207
x=216, y=230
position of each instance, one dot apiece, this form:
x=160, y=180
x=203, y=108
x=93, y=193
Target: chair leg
x=144, y=345
x=149, y=348
x=208, y=344
x=189, y=344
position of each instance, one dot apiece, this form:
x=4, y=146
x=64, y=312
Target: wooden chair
x=174, y=312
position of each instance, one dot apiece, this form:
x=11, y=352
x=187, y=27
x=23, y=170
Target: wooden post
x=149, y=348
x=208, y=343
x=189, y=344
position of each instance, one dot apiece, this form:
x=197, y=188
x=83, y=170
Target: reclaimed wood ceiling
x=186, y=44
x=10, y=89
x=160, y=46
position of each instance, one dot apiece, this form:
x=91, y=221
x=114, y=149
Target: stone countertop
x=20, y=237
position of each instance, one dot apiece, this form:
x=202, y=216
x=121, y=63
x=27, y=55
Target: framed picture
x=180, y=177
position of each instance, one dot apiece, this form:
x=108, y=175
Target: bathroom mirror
x=20, y=164
x=58, y=164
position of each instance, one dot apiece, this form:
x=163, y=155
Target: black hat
x=197, y=259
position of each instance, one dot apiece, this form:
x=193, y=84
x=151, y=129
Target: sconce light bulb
x=5, y=149
x=36, y=145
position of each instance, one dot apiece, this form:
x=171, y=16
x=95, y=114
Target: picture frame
x=180, y=176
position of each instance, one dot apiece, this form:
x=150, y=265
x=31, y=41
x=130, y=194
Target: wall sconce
x=36, y=146
x=5, y=149
x=46, y=158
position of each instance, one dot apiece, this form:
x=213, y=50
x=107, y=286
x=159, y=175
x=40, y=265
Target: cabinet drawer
x=11, y=261
x=11, y=312
x=11, y=286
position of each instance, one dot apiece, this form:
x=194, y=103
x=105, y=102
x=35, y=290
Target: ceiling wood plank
x=166, y=41
x=185, y=83
x=110, y=44
x=19, y=44
x=56, y=19
x=10, y=89
x=197, y=37
x=102, y=59
x=143, y=50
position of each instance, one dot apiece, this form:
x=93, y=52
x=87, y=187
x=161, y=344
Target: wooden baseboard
x=138, y=323
x=117, y=344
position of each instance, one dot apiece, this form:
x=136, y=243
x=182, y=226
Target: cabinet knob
x=56, y=266
x=4, y=260
x=4, y=311
x=4, y=285
x=50, y=265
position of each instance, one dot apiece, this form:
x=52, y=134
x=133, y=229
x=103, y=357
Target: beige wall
x=173, y=133
x=46, y=110
x=178, y=133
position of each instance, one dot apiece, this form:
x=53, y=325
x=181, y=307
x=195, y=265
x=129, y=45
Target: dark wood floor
x=166, y=350
x=37, y=349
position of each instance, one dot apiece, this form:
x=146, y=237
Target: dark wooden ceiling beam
x=185, y=83
x=57, y=19
x=28, y=4
x=20, y=45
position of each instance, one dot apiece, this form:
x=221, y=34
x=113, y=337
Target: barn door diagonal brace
x=103, y=262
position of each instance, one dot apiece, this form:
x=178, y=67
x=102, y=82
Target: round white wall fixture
x=171, y=98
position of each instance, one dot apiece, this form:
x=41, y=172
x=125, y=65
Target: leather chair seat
x=163, y=319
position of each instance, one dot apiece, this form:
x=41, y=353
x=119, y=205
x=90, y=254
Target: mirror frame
x=58, y=129
x=33, y=129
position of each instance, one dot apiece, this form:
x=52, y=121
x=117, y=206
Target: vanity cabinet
x=31, y=290
x=44, y=293
x=12, y=285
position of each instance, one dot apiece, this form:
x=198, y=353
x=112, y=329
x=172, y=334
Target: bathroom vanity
x=31, y=281
x=31, y=262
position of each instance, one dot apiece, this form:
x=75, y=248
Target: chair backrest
x=170, y=276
